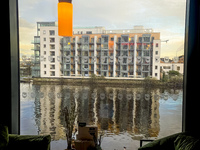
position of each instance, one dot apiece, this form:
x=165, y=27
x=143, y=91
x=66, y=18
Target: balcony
x=131, y=63
x=145, y=63
x=92, y=42
x=130, y=70
x=110, y=70
x=85, y=69
x=79, y=42
x=105, y=70
x=117, y=69
x=52, y=68
x=35, y=42
x=91, y=49
x=36, y=68
x=98, y=42
x=145, y=70
x=36, y=47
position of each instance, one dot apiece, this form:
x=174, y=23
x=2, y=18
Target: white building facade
x=166, y=67
x=49, y=52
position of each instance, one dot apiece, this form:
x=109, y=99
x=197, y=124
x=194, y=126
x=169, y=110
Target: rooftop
x=100, y=29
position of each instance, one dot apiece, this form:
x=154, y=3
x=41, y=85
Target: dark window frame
x=191, y=54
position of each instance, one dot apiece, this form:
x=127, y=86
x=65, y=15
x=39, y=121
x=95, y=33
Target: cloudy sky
x=164, y=16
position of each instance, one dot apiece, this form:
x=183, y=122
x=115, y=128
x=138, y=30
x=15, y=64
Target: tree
x=70, y=114
x=173, y=73
x=165, y=77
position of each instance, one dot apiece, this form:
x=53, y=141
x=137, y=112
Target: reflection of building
x=114, y=110
x=110, y=53
x=48, y=106
x=155, y=117
x=146, y=118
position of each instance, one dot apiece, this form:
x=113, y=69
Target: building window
x=45, y=72
x=88, y=32
x=166, y=67
x=146, y=39
x=44, y=45
x=156, y=74
x=52, y=60
x=156, y=44
x=52, y=66
x=124, y=38
x=85, y=66
x=146, y=53
x=124, y=68
x=44, y=31
x=52, y=53
x=104, y=39
x=52, y=46
x=51, y=32
x=140, y=40
x=44, y=39
x=146, y=46
x=85, y=39
x=52, y=73
x=104, y=46
x=52, y=40
x=156, y=52
x=156, y=67
x=125, y=47
x=45, y=66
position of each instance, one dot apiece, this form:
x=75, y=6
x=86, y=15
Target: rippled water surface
x=123, y=115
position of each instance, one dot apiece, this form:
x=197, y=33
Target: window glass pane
x=121, y=71
x=104, y=39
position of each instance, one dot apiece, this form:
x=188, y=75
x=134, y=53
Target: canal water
x=123, y=115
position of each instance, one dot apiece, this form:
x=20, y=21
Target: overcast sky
x=164, y=16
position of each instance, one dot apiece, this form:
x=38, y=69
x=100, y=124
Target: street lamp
x=65, y=18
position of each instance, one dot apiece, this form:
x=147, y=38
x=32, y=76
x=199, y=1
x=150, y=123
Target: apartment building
x=177, y=64
x=37, y=51
x=133, y=53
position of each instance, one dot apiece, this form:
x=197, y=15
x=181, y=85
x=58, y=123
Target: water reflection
x=132, y=111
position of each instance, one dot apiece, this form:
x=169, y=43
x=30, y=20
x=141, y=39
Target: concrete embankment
x=122, y=82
